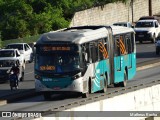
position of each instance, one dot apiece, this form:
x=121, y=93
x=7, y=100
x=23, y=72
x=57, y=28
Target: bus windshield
x=58, y=63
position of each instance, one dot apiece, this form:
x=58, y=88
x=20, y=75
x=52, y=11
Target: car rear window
x=7, y=54
x=15, y=46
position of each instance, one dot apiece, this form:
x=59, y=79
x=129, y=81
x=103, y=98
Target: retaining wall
x=115, y=12
x=145, y=102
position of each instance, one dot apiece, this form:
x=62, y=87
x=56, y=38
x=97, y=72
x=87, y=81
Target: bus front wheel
x=85, y=95
x=47, y=95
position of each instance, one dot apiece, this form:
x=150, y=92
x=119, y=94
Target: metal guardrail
x=100, y=96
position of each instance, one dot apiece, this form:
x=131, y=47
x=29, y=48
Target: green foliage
x=29, y=17
x=25, y=18
x=20, y=40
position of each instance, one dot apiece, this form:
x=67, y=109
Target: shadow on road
x=147, y=55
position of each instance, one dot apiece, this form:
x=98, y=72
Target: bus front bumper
x=75, y=86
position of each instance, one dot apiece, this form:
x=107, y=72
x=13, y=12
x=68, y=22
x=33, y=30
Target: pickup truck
x=8, y=58
x=147, y=30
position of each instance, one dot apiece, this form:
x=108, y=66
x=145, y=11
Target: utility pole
x=150, y=7
x=132, y=10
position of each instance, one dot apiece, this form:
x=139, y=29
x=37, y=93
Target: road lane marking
x=148, y=66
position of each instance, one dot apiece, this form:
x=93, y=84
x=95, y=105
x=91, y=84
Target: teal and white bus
x=84, y=59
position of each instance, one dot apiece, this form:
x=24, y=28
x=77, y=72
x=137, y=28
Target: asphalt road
x=39, y=104
x=145, y=53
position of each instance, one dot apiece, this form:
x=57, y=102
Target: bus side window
x=103, y=49
x=129, y=43
x=117, y=46
x=94, y=51
x=86, y=53
x=100, y=50
x=105, y=41
x=132, y=41
x=87, y=57
x=125, y=39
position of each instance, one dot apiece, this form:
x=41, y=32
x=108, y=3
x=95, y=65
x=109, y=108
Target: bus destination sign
x=55, y=48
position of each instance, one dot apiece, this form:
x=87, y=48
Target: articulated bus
x=84, y=59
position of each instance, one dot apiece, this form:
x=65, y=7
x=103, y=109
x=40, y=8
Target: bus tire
x=124, y=83
x=47, y=95
x=116, y=84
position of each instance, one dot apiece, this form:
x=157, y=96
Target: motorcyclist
x=15, y=71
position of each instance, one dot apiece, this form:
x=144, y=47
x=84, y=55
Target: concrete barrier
x=142, y=104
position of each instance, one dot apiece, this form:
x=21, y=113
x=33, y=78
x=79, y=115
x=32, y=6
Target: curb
x=3, y=102
x=18, y=96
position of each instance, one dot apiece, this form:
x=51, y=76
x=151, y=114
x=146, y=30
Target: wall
x=115, y=12
x=120, y=107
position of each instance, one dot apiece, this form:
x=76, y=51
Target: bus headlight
x=38, y=77
x=77, y=76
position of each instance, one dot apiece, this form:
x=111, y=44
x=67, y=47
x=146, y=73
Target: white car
x=24, y=49
x=125, y=24
x=147, y=30
x=8, y=58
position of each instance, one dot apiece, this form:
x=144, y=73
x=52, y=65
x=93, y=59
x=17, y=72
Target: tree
x=21, y=18
x=15, y=15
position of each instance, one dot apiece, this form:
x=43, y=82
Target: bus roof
x=81, y=34
x=120, y=29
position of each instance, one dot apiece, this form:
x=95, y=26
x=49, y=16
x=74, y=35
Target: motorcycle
x=13, y=81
